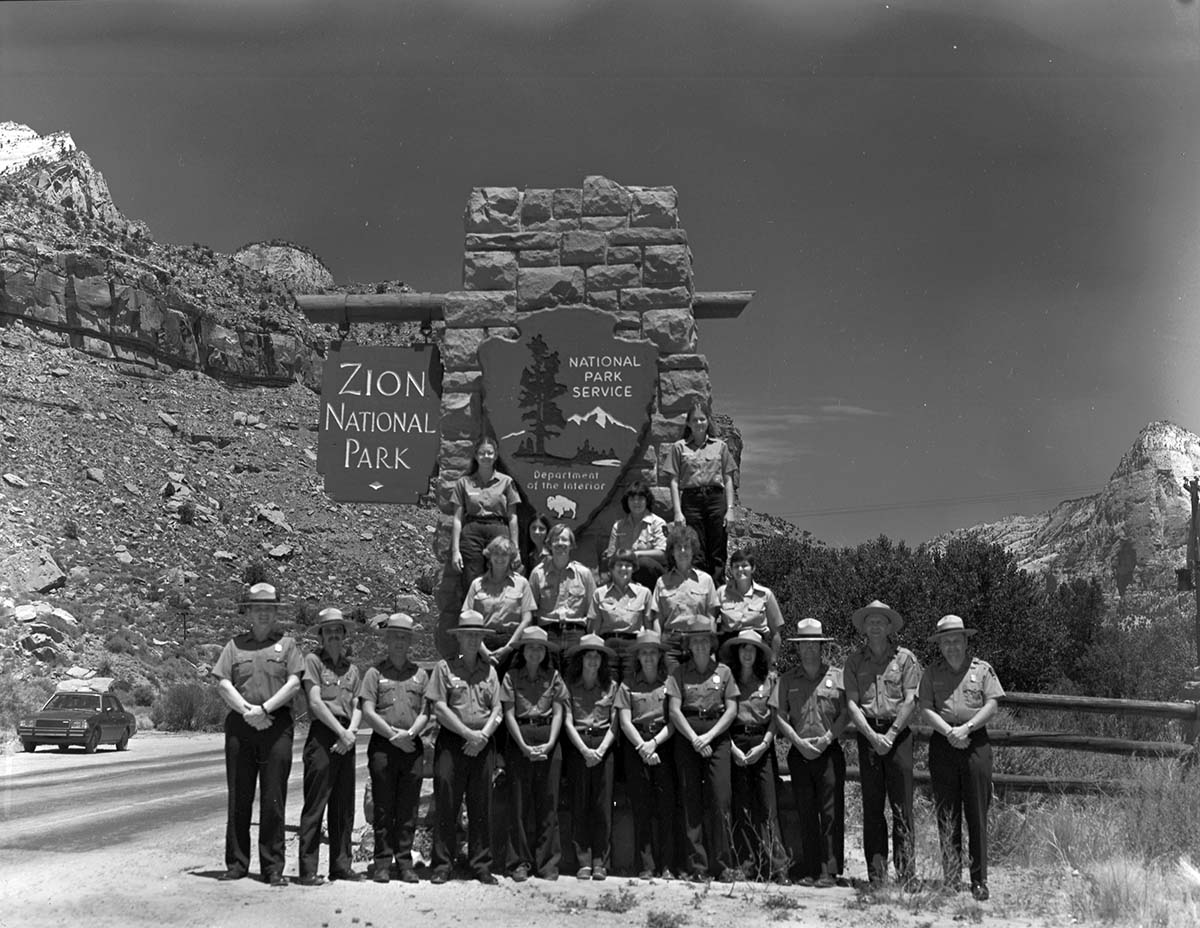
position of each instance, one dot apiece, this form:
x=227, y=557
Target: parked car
x=78, y=714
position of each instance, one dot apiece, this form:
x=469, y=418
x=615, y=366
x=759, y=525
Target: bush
x=189, y=707
x=255, y=572
x=187, y=513
x=143, y=695
x=120, y=642
x=21, y=697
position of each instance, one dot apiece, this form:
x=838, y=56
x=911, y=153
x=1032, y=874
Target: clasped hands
x=258, y=718
x=648, y=752
x=747, y=758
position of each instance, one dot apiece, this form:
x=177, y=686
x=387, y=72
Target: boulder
x=33, y=570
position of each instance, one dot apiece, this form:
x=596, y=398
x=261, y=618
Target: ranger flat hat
x=648, y=638
x=591, y=643
x=397, y=622
x=948, y=625
x=809, y=630
x=262, y=594
x=328, y=617
x=469, y=621
x=748, y=636
x=877, y=607
x=535, y=635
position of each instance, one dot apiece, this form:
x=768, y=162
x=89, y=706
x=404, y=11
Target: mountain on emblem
x=569, y=402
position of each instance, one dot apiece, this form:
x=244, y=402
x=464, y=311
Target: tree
x=539, y=387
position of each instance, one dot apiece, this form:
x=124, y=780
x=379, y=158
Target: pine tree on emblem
x=539, y=387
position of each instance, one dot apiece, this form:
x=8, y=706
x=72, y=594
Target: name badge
x=717, y=678
x=972, y=678
x=279, y=647
x=829, y=683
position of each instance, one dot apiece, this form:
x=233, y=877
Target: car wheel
x=29, y=746
x=63, y=747
x=123, y=741
x=93, y=741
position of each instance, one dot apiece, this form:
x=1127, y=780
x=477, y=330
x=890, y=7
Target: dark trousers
x=962, y=788
x=328, y=785
x=257, y=758
x=590, y=789
x=706, y=794
x=396, y=787
x=651, y=792
x=533, y=805
x=887, y=779
x=704, y=510
x=757, y=843
x=819, y=792
x=626, y=661
x=456, y=775
x=473, y=538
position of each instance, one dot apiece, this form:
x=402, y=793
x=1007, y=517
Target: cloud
x=841, y=411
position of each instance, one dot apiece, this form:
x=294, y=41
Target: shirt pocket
x=828, y=707
x=386, y=696
x=973, y=697
x=893, y=687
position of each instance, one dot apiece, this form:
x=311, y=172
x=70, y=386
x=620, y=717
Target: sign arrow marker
x=376, y=485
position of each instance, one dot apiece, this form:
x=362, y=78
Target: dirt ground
x=162, y=868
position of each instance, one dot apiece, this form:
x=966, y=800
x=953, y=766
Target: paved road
x=65, y=801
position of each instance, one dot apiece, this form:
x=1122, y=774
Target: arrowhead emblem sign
x=569, y=403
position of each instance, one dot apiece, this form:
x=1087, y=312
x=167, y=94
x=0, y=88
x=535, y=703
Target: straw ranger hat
x=809, y=630
x=535, y=635
x=327, y=618
x=396, y=622
x=647, y=638
x=262, y=594
x=591, y=643
x=876, y=607
x=749, y=636
x=469, y=621
x=949, y=625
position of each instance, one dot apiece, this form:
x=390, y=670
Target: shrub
x=620, y=901
x=665, y=918
x=70, y=529
x=189, y=707
x=187, y=513
x=143, y=695
x=255, y=572
x=119, y=642
x=21, y=697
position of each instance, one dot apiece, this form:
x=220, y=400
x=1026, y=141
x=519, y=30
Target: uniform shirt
x=956, y=695
x=561, y=594
x=501, y=608
x=259, y=669
x=533, y=700
x=649, y=534
x=646, y=701
x=702, y=693
x=882, y=683
x=810, y=706
x=398, y=692
x=705, y=466
x=479, y=500
x=338, y=682
x=675, y=597
x=592, y=708
x=619, y=612
x=754, y=701
x=470, y=696
x=738, y=611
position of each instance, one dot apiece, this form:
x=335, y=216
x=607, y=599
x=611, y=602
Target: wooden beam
x=1169, y=710
x=1077, y=741
x=346, y=308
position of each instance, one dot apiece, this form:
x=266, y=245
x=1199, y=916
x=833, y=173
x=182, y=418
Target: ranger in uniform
x=394, y=706
x=881, y=694
x=331, y=683
x=957, y=696
x=465, y=694
x=811, y=704
x=258, y=673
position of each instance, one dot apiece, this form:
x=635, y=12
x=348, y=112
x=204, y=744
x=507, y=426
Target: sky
x=973, y=229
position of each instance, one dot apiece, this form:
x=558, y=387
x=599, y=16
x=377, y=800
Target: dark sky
x=974, y=229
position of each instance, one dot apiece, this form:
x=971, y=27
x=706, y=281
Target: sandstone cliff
x=1132, y=533
x=295, y=266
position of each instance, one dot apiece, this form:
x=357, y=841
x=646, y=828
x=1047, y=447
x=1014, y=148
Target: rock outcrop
x=1132, y=533
x=294, y=266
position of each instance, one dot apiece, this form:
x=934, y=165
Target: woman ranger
x=743, y=604
x=811, y=714
x=618, y=611
x=465, y=694
x=756, y=839
x=649, y=767
x=533, y=695
x=703, y=475
x=394, y=706
x=589, y=768
x=958, y=695
x=702, y=704
x=562, y=590
x=331, y=683
x=641, y=531
x=503, y=597
x=258, y=673
x=682, y=593
x=881, y=695
x=485, y=506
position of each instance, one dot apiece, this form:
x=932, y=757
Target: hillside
x=1132, y=533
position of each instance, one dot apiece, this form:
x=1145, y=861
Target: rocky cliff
x=295, y=266
x=1133, y=532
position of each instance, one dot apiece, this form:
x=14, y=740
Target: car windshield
x=74, y=701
